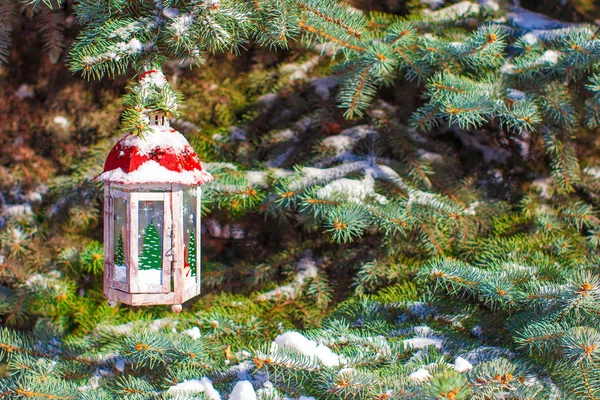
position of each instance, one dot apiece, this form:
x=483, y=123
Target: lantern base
x=148, y=299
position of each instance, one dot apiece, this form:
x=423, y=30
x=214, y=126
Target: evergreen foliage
x=120, y=251
x=435, y=237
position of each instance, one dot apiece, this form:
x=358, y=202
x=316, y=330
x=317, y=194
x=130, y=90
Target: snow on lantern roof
x=161, y=156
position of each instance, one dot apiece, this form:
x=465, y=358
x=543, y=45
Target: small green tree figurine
x=120, y=251
x=191, y=255
x=151, y=257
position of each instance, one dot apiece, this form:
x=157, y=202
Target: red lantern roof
x=162, y=155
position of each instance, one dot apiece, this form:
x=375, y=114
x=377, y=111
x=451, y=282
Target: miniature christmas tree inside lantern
x=152, y=214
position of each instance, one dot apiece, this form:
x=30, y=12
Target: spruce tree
x=120, y=251
x=421, y=222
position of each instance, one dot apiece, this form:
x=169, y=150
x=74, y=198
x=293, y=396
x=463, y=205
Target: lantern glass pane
x=120, y=235
x=190, y=234
x=150, y=244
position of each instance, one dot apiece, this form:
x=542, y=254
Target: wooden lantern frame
x=175, y=287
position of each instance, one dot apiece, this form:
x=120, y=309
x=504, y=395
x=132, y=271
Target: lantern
x=152, y=218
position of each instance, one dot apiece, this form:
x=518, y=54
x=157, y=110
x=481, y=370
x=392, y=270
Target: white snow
x=203, y=385
x=530, y=39
x=194, y=333
x=347, y=138
x=515, y=95
x=158, y=136
x=285, y=136
x=153, y=172
x=507, y=68
x=423, y=342
x=181, y=23
x=529, y=20
x=491, y=4
x=24, y=92
x=550, y=56
x=306, y=346
x=61, y=121
x=243, y=390
x=299, y=71
x=303, y=124
x=170, y=12
x=422, y=330
x=120, y=273
x=149, y=279
x=153, y=77
x=237, y=134
x=323, y=86
x=14, y=210
x=458, y=10
x=352, y=190
x=462, y=365
x=420, y=375
x=135, y=45
x=50, y=279
x=162, y=323
x=472, y=210
x=120, y=364
x=306, y=268
x=419, y=309
x=433, y=4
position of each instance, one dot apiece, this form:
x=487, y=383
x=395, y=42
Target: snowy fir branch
x=403, y=206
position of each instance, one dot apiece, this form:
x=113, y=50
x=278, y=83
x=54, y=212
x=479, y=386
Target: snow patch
x=61, y=121
x=194, y=333
x=306, y=346
x=515, y=95
x=347, y=138
x=530, y=39
x=352, y=190
x=203, y=385
x=423, y=342
x=237, y=134
x=120, y=273
x=159, y=136
x=529, y=20
x=420, y=375
x=305, y=269
x=458, y=10
x=243, y=390
x=120, y=364
x=490, y=4
x=153, y=172
x=181, y=23
x=462, y=365
x=550, y=56
x=323, y=86
x=422, y=330
x=149, y=279
x=170, y=12
x=24, y=92
x=285, y=136
x=153, y=77
x=14, y=210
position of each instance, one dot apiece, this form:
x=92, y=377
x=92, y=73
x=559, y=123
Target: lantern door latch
x=171, y=251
